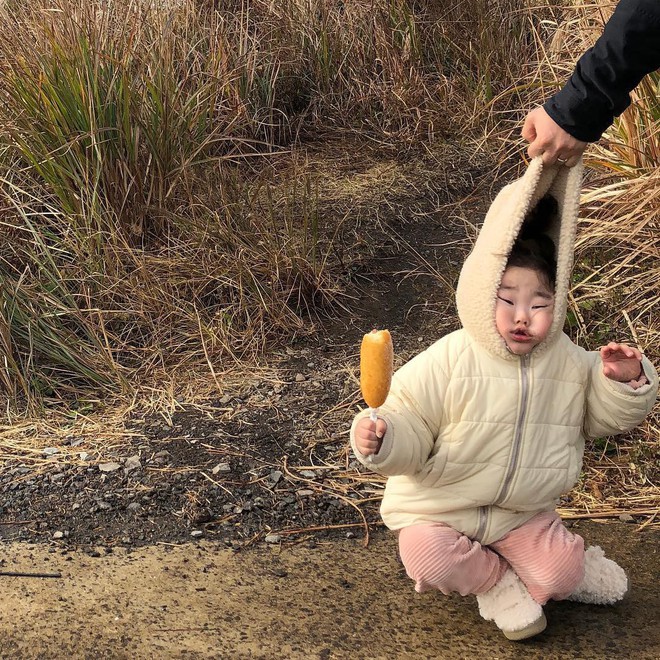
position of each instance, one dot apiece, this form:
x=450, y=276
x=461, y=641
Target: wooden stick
x=37, y=575
x=607, y=514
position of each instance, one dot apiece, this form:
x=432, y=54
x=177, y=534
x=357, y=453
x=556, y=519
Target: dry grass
x=160, y=228
x=146, y=224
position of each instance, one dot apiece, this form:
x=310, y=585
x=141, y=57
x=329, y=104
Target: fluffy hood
x=482, y=272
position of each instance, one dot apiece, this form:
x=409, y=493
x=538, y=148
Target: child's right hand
x=369, y=435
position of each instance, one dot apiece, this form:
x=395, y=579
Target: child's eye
x=539, y=306
x=508, y=302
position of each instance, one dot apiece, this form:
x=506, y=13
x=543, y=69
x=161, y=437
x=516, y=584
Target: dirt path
x=334, y=600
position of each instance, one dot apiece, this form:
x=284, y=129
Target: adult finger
x=544, y=148
x=536, y=149
x=529, y=129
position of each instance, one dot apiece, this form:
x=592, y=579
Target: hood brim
x=483, y=269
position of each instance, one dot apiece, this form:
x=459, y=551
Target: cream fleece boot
x=512, y=609
x=604, y=581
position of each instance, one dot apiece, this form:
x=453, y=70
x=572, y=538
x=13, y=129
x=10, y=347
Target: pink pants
x=544, y=554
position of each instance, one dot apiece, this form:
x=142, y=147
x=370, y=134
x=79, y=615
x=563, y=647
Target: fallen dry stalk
x=24, y=574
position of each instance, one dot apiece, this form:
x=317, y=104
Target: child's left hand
x=621, y=362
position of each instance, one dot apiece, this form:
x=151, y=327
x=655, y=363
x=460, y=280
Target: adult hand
x=369, y=435
x=549, y=140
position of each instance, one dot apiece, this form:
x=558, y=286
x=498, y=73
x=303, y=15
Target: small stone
x=305, y=492
x=109, y=467
x=50, y=451
x=221, y=467
x=225, y=399
x=275, y=476
x=273, y=538
x=134, y=506
x=83, y=455
x=196, y=533
x=300, y=378
x=161, y=456
x=204, y=516
x=626, y=517
x=132, y=463
x=310, y=474
x=58, y=535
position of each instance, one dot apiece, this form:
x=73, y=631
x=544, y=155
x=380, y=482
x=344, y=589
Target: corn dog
x=376, y=360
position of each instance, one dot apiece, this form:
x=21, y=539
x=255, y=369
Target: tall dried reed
x=142, y=226
x=130, y=240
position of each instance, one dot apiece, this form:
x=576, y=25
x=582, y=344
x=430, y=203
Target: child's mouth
x=520, y=336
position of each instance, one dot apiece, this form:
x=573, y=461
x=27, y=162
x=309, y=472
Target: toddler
x=483, y=431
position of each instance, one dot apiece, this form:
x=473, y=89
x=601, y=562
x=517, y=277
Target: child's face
x=524, y=309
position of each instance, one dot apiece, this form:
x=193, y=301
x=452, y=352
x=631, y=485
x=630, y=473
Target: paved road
x=337, y=600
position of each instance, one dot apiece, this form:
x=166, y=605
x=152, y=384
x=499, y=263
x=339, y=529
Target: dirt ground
x=336, y=599
x=241, y=526
x=269, y=453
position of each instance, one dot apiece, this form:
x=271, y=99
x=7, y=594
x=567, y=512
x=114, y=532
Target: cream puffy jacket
x=479, y=438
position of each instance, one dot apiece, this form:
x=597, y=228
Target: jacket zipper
x=517, y=440
x=482, y=523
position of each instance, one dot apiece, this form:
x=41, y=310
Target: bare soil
x=334, y=599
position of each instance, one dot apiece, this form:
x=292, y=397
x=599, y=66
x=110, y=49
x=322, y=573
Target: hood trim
x=482, y=271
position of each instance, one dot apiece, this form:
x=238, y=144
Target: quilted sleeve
x=614, y=407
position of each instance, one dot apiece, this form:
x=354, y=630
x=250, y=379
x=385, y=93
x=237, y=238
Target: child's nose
x=522, y=316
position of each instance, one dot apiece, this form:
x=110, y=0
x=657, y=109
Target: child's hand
x=369, y=435
x=621, y=362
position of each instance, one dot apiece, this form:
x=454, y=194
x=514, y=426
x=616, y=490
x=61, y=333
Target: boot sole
x=532, y=629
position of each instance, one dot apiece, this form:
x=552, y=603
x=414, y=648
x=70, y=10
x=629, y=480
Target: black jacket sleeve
x=599, y=88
